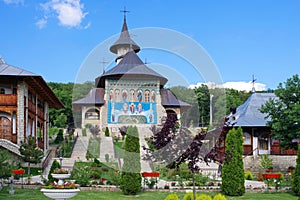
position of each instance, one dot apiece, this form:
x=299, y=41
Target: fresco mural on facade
x=132, y=113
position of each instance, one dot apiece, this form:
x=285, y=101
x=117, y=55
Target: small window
x=246, y=138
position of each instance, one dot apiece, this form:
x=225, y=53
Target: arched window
x=124, y=95
x=147, y=96
x=2, y=91
x=132, y=98
x=140, y=96
x=92, y=114
x=117, y=95
x=111, y=95
x=247, y=138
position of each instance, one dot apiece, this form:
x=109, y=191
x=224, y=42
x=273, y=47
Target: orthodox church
x=129, y=93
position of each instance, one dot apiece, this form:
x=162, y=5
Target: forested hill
x=198, y=97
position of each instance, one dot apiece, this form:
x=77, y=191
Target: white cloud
x=41, y=23
x=68, y=12
x=241, y=86
x=13, y=1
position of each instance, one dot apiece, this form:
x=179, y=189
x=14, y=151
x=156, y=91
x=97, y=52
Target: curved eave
x=114, y=47
x=38, y=84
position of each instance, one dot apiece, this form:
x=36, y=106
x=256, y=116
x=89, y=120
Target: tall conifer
x=233, y=169
x=131, y=180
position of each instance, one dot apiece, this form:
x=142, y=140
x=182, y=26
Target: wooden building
x=256, y=133
x=25, y=99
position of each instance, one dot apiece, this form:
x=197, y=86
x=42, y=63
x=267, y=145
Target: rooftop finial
x=124, y=11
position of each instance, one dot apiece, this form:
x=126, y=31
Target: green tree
x=59, y=137
x=30, y=152
x=55, y=165
x=5, y=166
x=131, y=178
x=233, y=169
x=284, y=112
x=296, y=176
x=202, y=94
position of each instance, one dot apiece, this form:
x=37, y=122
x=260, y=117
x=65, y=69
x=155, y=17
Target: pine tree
x=131, y=178
x=30, y=152
x=296, y=175
x=233, y=169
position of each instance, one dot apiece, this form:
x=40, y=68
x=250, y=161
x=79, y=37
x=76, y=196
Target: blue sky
x=54, y=37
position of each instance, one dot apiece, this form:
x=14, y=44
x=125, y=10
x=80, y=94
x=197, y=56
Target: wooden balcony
x=41, y=114
x=8, y=100
x=276, y=150
x=31, y=107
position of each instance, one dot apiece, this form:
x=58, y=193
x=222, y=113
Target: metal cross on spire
x=103, y=62
x=124, y=11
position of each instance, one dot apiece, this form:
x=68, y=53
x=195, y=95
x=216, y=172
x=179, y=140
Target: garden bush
x=219, y=197
x=59, y=137
x=203, y=197
x=248, y=175
x=172, y=197
x=82, y=175
x=296, y=176
x=88, y=125
x=54, y=166
x=188, y=196
x=106, y=132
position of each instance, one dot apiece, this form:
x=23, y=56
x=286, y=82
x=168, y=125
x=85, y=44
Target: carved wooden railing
x=8, y=100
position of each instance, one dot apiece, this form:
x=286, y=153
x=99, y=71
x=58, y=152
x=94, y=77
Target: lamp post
x=60, y=160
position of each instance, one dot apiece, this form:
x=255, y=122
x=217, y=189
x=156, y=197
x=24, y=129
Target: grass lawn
x=119, y=150
x=21, y=194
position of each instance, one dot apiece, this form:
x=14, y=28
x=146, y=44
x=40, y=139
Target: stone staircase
x=107, y=147
x=10, y=146
x=145, y=164
x=80, y=148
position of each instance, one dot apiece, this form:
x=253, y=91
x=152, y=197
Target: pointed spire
x=124, y=39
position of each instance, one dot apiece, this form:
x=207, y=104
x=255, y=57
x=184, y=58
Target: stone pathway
x=80, y=148
x=107, y=147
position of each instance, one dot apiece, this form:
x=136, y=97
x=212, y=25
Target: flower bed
x=274, y=176
x=18, y=171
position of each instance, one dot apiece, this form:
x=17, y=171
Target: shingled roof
x=94, y=97
x=248, y=114
x=130, y=66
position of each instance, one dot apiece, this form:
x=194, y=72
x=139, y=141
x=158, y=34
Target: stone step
x=107, y=147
